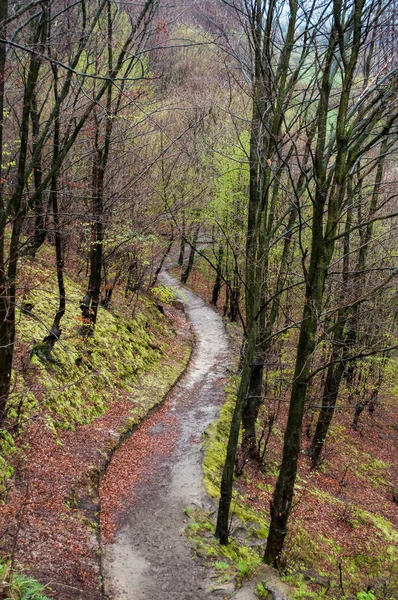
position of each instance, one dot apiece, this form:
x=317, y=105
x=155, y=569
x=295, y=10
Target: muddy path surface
x=149, y=558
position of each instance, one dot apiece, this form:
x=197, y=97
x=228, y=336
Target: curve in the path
x=150, y=558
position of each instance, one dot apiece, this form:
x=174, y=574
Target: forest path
x=150, y=558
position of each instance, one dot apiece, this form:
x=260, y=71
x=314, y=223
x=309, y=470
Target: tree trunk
x=6, y=352
x=90, y=302
x=344, y=342
x=165, y=255
x=55, y=331
x=40, y=231
x=192, y=252
x=254, y=400
x=217, y=283
x=233, y=313
x=328, y=403
x=182, y=243
x=250, y=411
x=222, y=527
x=8, y=275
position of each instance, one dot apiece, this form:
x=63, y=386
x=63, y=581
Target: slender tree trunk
x=40, y=231
x=90, y=302
x=233, y=313
x=218, y=281
x=343, y=342
x=182, y=242
x=55, y=331
x=252, y=301
x=5, y=351
x=335, y=371
x=8, y=274
x=222, y=527
x=192, y=252
x=330, y=195
x=328, y=403
x=281, y=502
x=165, y=255
x=254, y=400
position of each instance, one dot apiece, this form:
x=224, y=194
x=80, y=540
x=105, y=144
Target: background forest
x=251, y=144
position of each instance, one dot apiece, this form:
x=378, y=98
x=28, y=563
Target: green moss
x=82, y=377
x=262, y=592
x=8, y=450
x=164, y=294
x=385, y=528
x=87, y=375
x=242, y=559
x=373, y=562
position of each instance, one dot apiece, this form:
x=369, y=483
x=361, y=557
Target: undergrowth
x=16, y=586
x=239, y=558
x=336, y=574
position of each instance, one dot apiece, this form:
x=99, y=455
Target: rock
x=178, y=305
x=274, y=584
x=271, y=582
x=27, y=308
x=314, y=577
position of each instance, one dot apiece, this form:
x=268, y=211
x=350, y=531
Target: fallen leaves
x=49, y=522
x=133, y=464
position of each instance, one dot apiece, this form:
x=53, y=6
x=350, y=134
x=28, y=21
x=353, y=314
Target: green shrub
x=16, y=586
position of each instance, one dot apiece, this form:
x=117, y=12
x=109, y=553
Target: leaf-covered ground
x=77, y=413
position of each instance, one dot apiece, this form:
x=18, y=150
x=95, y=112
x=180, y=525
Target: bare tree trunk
x=192, y=252
x=254, y=400
x=217, y=283
x=40, y=231
x=6, y=352
x=55, y=331
x=8, y=274
x=328, y=195
x=90, y=302
x=182, y=242
x=164, y=256
x=222, y=527
x=343, y=342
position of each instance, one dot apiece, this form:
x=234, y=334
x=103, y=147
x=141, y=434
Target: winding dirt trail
x=149, y=558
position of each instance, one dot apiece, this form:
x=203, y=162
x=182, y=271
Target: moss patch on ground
x=240, y=558
x=83, y=376
x=317, y=565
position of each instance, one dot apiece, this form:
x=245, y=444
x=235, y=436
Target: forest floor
x=343, y=535
x=49, y=523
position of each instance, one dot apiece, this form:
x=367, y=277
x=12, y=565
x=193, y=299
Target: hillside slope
x=68, y=412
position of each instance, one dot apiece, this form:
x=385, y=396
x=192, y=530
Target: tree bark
x=8, y=274
x=55, y=331
x=217, y=283
x=186, y=273
x=343, y=342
